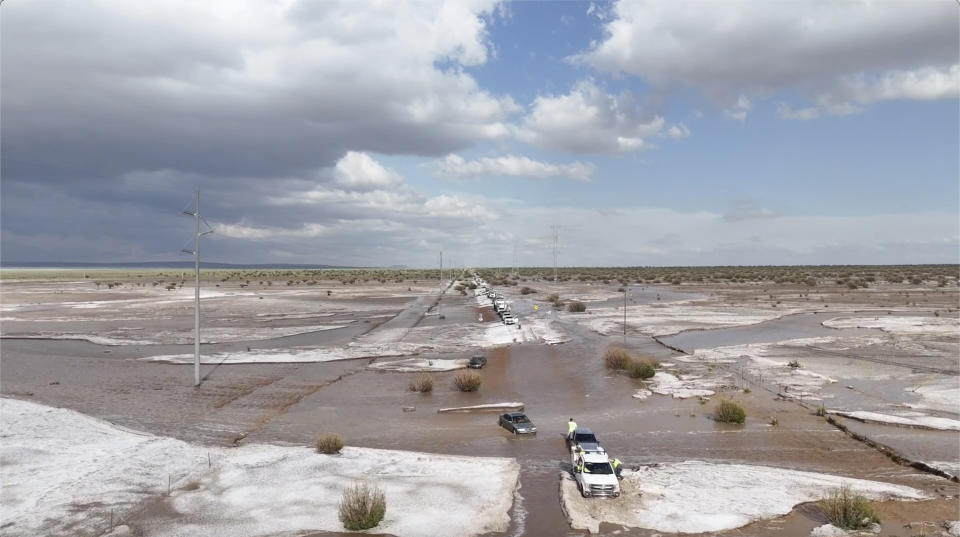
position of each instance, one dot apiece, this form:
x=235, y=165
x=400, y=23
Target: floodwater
x=801, y=325
x=294, y=402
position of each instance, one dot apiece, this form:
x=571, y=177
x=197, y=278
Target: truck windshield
x=599, y=468
x=586, y=438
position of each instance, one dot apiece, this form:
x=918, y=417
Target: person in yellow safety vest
x=571, y=427
x=617, y=467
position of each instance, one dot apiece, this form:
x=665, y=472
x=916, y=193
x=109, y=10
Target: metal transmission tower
x=516, y=261
x=556, y=250
x=196, y=290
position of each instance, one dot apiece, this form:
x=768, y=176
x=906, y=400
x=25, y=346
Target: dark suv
x=476, y=362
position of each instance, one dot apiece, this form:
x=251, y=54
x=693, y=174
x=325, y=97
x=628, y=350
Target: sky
x=382, y=133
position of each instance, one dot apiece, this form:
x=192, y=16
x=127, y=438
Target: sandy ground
x=732, y=337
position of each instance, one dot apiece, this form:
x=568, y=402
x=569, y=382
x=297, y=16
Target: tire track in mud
x=925, y=368
x=293, y=400
x=889, y=452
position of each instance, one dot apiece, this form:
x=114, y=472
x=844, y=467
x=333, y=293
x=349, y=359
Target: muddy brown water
x=292, y=403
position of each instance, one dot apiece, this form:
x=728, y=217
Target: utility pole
x=516, y=261
x=556, y=249
x=625, y=290
x=441, y=269
x=196, y=289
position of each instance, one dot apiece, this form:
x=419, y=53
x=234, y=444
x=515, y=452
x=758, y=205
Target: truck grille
x=602, y=490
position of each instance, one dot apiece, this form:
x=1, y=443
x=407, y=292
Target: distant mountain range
x=165, y=264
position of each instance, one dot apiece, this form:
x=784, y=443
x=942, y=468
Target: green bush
x=616, y=358
x=640, y=369
x=423, y=383
x=362, y=507
x=576, y=307
x=329, y=443
x=467, y=381
x=848, y=510
x=729, y=411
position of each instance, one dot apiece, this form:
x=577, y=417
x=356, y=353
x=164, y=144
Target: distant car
x=477, y=362
x=509, y=319
x=517, y=423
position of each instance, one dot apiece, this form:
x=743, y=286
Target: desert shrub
x=821, y=411
x=362, y=506
x=793, y=364
x=616, y=358
x=527, y=291
x=848, y=510
x=728, y=411
x=467, y=381
x=423, y=383
x=553, y=297
x=640, y=369
x=329, y=443
x=576, y=307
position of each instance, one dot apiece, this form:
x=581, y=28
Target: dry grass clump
x=362, y=507
x=329, y=443
x=423, y=383
x=617, y=358
x=576, y=307
x=527, y=291
x=641, y=369
x=848, y=510
x=467, y=381
x=729, y=411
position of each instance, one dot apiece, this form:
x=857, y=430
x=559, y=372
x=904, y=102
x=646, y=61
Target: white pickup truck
x=594, y=475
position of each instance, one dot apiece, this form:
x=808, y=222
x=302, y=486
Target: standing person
x=571, y=427
x=617, y=467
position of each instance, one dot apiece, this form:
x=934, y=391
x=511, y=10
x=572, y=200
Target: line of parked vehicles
x=500, y=304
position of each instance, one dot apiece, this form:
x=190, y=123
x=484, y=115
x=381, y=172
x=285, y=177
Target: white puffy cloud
x=845, y=54
x=456, y=166
x=924, y=84
x=786, y=111
x=678, y=131
x=240, y=87
x=359, y=170
x=589, y=120
x=740, y=109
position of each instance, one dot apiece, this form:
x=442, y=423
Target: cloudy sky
x=380, y=133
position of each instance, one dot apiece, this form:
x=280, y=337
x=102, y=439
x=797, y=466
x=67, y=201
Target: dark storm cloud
x=114, y=111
